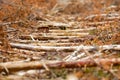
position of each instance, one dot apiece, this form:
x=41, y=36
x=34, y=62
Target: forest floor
x=56, y=42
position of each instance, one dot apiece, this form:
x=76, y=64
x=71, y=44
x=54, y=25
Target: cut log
x=16, y=66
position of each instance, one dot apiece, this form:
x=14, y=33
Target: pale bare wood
x=45, y=37
x=72, y=30
x=52, y=24
x=62, y=34
x=47, y=43
x=63, y=48
x=56, y=44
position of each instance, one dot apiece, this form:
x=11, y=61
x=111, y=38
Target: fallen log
x=71, y=40
x=16, y=66
x=42, y=41
x=41, y=48
x=57, y=48
x=72, y=30
x=62, y=34
x=45, y=37
x=68, y=34
x=48, y=43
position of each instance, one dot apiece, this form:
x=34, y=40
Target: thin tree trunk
x=16, y=66
x=69, y=48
